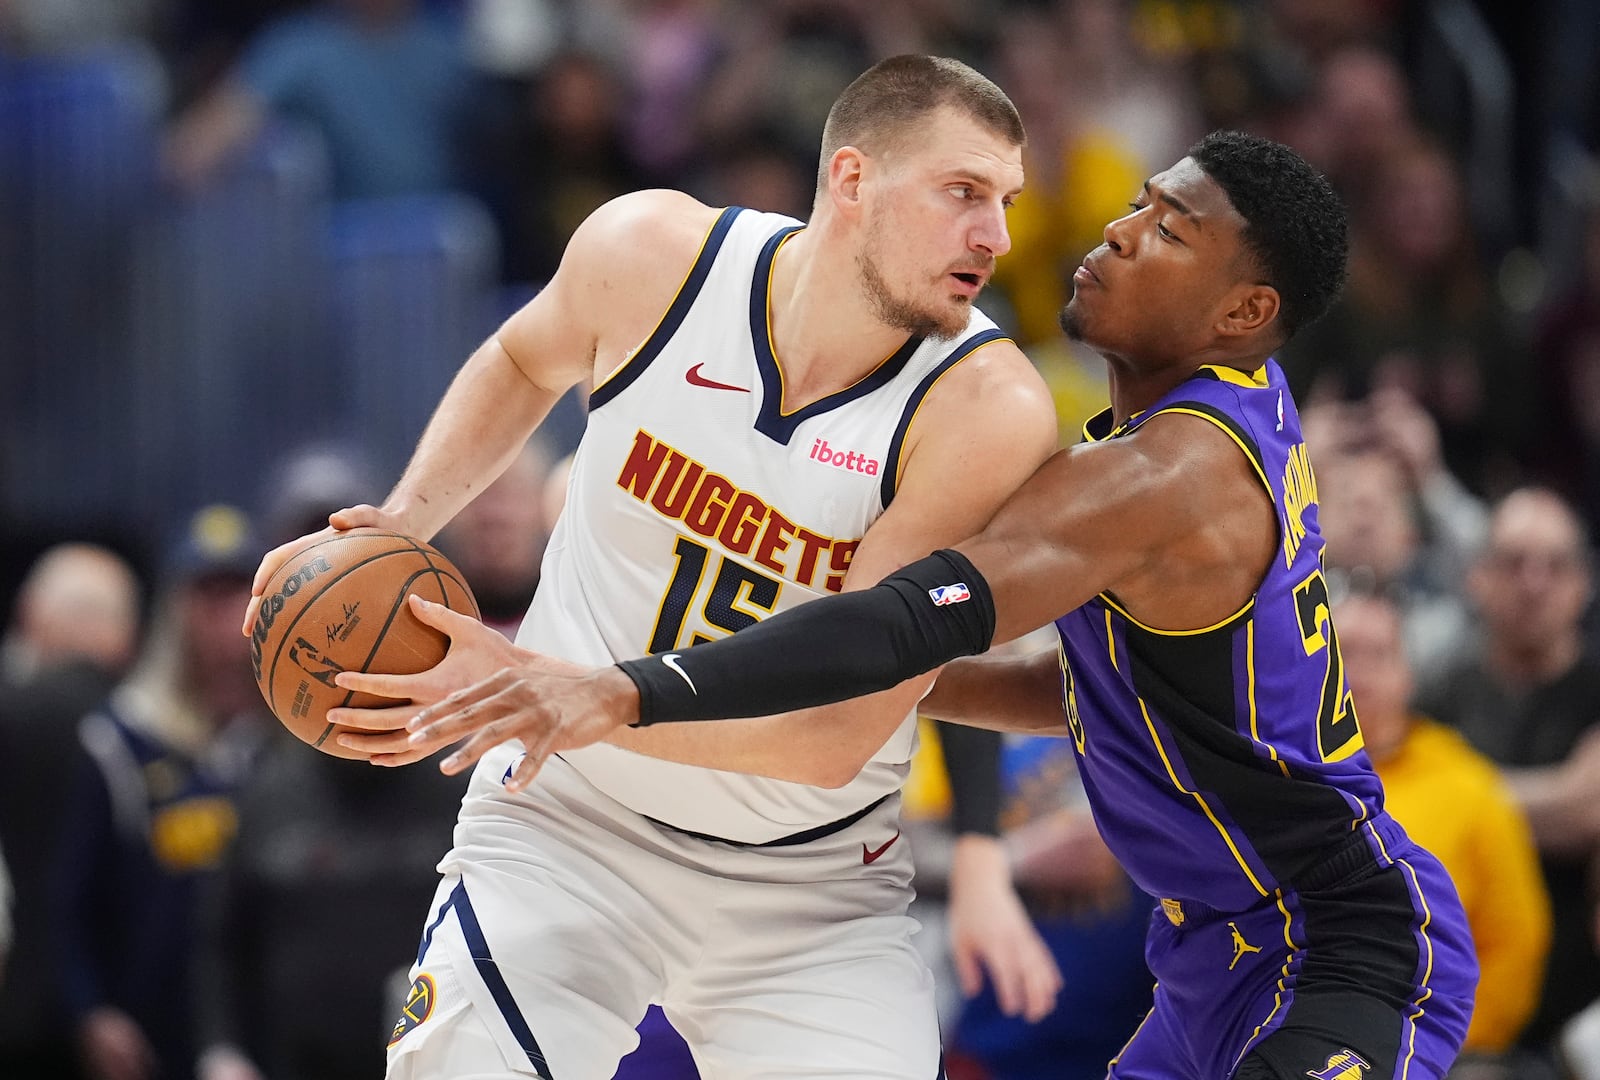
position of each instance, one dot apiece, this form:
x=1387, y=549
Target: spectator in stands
x=562, y=156
x=1360, y=113
x=1077, y=898
x=151, y=813
x=756, y=170
x=1567, y=348
x=308, y=483
x=79, y=604
x=782, y=63
x=1453, y=801
x=1396, y=521
x=1420, y=313
x=1103, y=115
x=671, y=55
x=1090, y=915
x=1529, y=698
x=73, y=632
x=384, y=84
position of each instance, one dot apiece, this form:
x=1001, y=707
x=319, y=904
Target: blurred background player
x=150, y=813
x=73, y=632
x=1528, y=697
x=1090, y=915
x=1454, y=802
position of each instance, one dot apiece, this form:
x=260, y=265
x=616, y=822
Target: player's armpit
x=1000, y=693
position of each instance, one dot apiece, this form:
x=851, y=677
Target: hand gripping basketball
x=337, y=603
x=548, y=704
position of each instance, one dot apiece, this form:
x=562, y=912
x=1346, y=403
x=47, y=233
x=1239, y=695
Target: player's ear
x=845, y=170
x=1251, y=310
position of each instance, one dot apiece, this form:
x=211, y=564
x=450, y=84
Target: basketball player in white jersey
x=778, y=412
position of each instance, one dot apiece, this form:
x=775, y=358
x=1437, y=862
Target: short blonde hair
x=889, y=99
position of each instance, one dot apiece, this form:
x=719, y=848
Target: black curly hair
x=1295, y=223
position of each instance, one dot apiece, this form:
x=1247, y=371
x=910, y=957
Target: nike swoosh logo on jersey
x=671, y=660
x=871, y=855
x=694, y=378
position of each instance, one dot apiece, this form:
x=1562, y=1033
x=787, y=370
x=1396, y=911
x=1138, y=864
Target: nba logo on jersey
x=1345, y=1065
x=950, y=594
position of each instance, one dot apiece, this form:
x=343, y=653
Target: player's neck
x=824, y=331
x=1136, y=385
x=1134, y=390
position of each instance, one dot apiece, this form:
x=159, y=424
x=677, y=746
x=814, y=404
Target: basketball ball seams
x=329, y=583
x=313, y=594
x=438, y=580
x=377, y=642
x=308, y=605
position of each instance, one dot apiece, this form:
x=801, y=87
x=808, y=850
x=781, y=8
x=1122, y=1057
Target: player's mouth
x=969, y=282
x=1085, y=275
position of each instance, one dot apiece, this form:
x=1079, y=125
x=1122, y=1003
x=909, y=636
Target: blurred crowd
x=193, y=893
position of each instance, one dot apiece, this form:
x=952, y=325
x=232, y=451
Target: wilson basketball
x=339, y=604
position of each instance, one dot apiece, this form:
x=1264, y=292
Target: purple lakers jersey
x=1224, y=762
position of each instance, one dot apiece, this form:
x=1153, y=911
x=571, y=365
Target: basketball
x=339, y=604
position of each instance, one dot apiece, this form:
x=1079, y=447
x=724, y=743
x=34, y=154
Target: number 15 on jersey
x=736, y=597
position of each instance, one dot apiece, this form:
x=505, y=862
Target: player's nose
x=992, y=236
x=1116, y=232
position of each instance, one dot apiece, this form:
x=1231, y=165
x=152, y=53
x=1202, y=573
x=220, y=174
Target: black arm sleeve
x=924, y=615
x=972, y=761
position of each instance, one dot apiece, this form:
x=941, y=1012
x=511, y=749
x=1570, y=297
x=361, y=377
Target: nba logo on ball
x=950, y=594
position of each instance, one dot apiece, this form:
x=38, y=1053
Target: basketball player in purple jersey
x=1301, y=933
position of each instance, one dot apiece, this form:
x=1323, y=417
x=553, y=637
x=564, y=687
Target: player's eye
x=962, y=191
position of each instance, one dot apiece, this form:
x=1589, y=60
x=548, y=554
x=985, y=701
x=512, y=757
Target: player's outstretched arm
x=1134, y=515
x=1094, y=518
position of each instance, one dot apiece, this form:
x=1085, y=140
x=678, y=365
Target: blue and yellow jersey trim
x=627, y=372
x=893, y=463
x=772, y=420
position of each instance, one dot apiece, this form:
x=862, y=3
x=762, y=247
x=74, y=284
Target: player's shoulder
x=988, y=414
x=625, y=262
x=644, y=227
x=994, y=380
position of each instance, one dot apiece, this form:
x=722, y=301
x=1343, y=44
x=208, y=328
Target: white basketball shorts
x=562, y=915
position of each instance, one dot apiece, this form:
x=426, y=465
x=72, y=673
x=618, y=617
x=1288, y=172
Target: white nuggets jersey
x=698, y=505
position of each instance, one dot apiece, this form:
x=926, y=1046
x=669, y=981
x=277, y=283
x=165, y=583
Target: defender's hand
x=492, y=691
x=540, y=702
x=476, y=652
